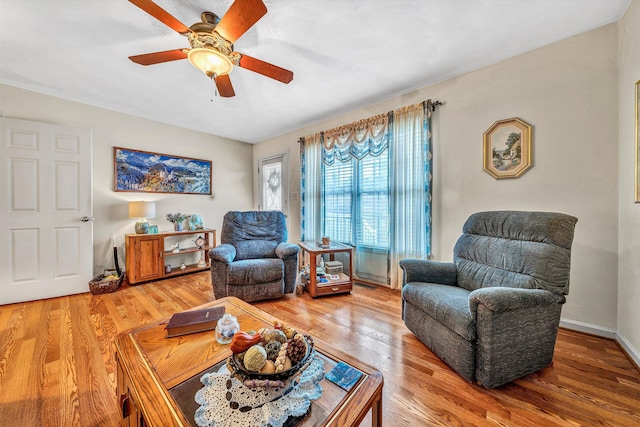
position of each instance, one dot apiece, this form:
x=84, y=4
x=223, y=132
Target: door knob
x=86, y=218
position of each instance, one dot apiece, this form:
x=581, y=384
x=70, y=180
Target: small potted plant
x=177, y=219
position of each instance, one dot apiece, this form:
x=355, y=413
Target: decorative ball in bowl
x=271, y=354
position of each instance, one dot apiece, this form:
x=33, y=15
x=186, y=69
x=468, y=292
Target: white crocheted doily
x=225, y=402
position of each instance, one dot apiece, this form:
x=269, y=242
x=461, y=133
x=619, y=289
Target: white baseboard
x=588, y=328
x=631, y=350
x=603, y=332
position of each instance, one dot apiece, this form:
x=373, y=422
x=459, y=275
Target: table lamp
x=142, y=210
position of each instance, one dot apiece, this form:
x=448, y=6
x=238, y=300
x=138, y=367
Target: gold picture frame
x=637, y=135
x=507, y=148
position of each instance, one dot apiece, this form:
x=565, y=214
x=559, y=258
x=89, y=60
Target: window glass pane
x=356, y=201
x=372, y=225
x=272, y=186
x=337, y=201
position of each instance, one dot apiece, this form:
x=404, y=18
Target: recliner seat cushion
x=250, y=249
x=447, y=304
x=256, y=271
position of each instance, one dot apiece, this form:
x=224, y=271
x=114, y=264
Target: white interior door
x=46, y=229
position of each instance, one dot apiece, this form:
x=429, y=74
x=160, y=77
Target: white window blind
x=356, y=201
x=337, y=203
x=372, y=224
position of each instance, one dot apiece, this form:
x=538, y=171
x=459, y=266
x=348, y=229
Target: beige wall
x=231, y=165
x=568, y=92
x=629, y=212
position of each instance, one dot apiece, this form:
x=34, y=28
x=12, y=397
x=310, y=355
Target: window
x=337, y=201
x=373, y=203
x=356, y=201
x=273, y=186
x=368, y=184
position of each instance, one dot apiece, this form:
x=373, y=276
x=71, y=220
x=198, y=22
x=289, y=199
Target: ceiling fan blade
x=266, y=69
x=223, y=83
x=239, y=18
x=161, y=15
x=158, y=57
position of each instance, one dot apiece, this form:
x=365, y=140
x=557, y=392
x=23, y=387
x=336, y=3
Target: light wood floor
x=57, y=364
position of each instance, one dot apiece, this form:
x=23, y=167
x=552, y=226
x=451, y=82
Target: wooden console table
x=157, y=377
x=147, y=253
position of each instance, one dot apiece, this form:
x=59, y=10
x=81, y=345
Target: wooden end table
x=157, y=377
x=344, y=282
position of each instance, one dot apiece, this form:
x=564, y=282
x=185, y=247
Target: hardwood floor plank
x=68, y=388
x=52, y=374
x=87, y=348
x=57, y=365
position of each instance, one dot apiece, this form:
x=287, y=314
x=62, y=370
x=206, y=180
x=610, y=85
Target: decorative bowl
x=237, y=369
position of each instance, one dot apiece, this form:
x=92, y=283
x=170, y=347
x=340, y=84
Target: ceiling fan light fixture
x=210, y=61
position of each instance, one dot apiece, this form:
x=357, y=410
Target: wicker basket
x=102, y=284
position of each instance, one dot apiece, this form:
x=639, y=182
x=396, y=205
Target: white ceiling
x=345, y=54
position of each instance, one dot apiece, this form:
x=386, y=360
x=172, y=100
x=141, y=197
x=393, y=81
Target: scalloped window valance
x=367, y=136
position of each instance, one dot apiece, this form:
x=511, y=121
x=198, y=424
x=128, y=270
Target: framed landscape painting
x=507, y=148
x=143, y=171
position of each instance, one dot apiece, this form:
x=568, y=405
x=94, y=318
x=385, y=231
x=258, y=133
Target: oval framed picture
x=507, y=148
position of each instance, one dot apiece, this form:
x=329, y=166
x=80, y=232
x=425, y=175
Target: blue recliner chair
x=253, y=261
x=493, y=313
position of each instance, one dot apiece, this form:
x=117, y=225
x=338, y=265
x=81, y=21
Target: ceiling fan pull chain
x=214, y=89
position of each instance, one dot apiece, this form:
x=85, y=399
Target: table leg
x=376, y=413
x=313, y=278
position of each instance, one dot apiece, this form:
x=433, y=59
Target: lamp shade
x=142, y=209
x=210, y=61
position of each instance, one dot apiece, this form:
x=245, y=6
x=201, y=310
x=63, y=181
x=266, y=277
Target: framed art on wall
x=147, y=172
x=507, y=148
x=637, y=135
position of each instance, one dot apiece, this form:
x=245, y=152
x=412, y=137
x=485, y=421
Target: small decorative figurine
x=201, y=263
x=175, y=248
x=195, y=222
x=226, y=328
x=183, y=267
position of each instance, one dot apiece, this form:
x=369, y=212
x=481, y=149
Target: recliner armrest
x=224, y=253
x=422, y=270
x=285, y=250
x=499, y=299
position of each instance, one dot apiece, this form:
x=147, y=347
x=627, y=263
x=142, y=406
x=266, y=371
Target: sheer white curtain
x=410, y=187
x=310, y=187
x=405, y=133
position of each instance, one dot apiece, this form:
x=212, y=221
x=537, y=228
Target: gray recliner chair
x=493, y=314
x=253, y=261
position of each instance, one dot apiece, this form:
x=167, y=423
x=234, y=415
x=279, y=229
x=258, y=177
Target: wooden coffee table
x=157, y=376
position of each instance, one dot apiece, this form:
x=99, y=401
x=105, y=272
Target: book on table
x=190, y=322
x=344, y=376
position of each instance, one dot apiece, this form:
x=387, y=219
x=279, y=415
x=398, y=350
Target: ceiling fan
x=212, y=43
